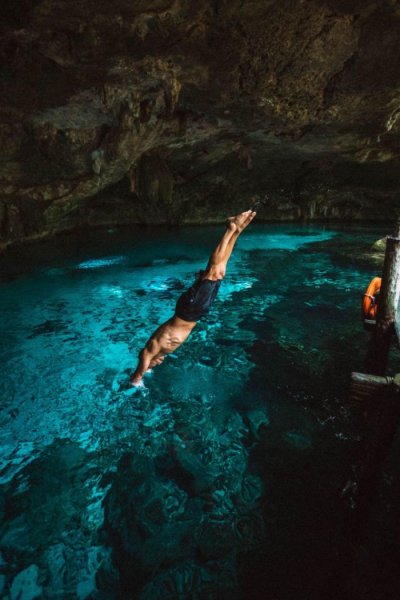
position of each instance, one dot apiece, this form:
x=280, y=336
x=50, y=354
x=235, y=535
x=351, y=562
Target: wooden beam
x=365, y=387
x=383, y=421
x=380, y=395
x=389, y=298
x=397, y=324
x=390, y=288
x=369, y=324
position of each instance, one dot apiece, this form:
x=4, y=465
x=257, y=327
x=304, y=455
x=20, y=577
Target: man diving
x=194, y=303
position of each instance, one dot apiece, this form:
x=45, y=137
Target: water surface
x=218, y=478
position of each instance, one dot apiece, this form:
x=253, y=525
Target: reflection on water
x=218, y=472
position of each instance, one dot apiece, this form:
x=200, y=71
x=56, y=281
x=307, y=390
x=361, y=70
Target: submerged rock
x=258, y=421
x=190, y=580
x=298, y=440
x=174, y=513
x=376, y=254
x=25, y=585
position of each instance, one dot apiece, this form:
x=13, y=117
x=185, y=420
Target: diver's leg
x=219, y=258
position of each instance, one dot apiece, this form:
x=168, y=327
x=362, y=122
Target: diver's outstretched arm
x=145, y=357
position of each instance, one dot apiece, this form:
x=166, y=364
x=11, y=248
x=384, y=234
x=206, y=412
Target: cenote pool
x=219, y=478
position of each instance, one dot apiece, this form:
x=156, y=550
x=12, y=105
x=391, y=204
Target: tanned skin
x=171, y=334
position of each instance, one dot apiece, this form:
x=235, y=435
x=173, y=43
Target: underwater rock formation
x=169, y=111
x=48, y=540
x=182, y=509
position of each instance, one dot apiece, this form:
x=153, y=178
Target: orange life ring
x=370, y=306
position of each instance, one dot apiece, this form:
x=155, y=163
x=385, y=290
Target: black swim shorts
x=196, y=301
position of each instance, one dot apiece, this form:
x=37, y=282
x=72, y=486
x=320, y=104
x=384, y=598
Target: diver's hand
x=135, y=380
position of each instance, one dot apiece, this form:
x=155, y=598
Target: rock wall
x=163, y=111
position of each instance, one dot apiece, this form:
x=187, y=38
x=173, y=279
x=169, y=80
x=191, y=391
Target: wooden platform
x=369, y=324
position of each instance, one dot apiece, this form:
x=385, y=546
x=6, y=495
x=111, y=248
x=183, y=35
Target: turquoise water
x=218, y=478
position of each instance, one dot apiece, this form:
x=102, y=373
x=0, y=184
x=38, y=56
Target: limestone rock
x=168, y=111
x=379, y=245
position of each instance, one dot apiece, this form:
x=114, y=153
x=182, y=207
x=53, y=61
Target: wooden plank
x=369, y=324
x=364, y=387
x=397, y=325
x=390, y=288
x=382, y=426
x=389, y=298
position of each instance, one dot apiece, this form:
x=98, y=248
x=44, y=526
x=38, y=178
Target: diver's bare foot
x=241, y=221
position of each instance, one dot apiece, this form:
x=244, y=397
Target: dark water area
x=221, y=476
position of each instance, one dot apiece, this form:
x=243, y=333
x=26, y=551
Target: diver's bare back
x=168, y=337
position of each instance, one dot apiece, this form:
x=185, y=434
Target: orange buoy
x=370, y=306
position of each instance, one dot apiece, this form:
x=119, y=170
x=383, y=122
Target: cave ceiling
x=165, y=111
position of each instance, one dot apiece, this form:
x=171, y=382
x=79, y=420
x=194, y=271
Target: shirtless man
x=194, y=303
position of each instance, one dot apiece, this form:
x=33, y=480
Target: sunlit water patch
x=100, y=262
x=169, y=490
